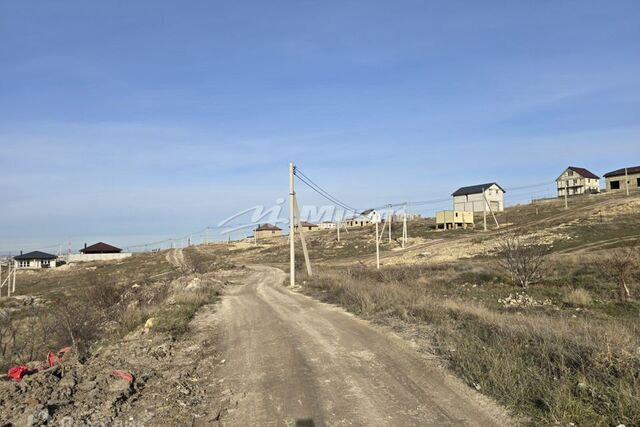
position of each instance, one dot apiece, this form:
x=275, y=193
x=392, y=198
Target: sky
x=131, y=122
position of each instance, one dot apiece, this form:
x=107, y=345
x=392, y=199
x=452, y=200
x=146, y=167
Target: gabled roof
x=100, y=247
x=268, y=227
x=585, y=173
x=34, y=255
x=621, y=172
x=307, y=224
x=475, y=189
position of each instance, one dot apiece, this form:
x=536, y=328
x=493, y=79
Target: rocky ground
x=172, y=377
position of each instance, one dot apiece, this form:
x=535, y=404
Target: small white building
x=359, y=221
x=35, y=260
x=574, y=181
x=479, y=198
x=328, y=225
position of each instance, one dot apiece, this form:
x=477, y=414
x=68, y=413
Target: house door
x=495, y=206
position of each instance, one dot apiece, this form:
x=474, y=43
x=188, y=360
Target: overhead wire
x=321, y=191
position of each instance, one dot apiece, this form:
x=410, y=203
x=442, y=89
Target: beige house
x=307, y=226
x=35, y=260
x=267, y=230
x=574, y=181
x=479, y=198
x=328, y=225
x=451, y=220
x=615, y=180
x=359, y=221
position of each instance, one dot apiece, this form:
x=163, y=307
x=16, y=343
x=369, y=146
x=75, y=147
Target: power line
x=315, y=187
x=524, y=187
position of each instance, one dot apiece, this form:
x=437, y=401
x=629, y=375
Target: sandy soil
x=290, y=360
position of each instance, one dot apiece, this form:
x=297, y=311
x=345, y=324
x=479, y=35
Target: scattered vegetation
x=619, y=266
x=579, y=298
x=522, y=259
x=542, y=361
x=95, y=306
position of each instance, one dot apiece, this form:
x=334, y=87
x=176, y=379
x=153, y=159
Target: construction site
x=319, y=214
x=184, y=325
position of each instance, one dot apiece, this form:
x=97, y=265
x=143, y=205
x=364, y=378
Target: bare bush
x=81, y=321
x=77, y=325
x=522, y=259
x=104, y=296
x=619, y=267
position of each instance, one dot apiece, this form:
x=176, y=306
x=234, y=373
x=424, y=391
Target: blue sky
x=134, y=121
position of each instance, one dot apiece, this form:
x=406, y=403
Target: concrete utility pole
x=490, y=210
x=338, y=227
x=304, y=243
x=10, y=280
x=566, y=195
x=375, y=217
x=390, y=219
x=292, y=245
x=377, y=248
x=484, y=210
x=404, y=227
x=626, y=180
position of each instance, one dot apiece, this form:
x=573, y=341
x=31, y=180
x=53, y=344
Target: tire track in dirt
x=291, y=360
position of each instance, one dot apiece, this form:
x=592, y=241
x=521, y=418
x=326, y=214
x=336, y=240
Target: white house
x=575, y=181
x=328, y=225
x=36, y=259
x=479, y=198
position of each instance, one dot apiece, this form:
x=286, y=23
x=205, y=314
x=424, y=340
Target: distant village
x=483, y=198
x=487, y=198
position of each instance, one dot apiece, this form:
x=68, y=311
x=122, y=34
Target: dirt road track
x=292, y=361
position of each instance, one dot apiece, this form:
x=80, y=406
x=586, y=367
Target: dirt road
x=292, y=361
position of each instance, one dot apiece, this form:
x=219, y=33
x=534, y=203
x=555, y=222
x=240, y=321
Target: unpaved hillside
x=171, y=358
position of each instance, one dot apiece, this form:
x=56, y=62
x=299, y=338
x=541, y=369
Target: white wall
x=476, y=203
x=576, y=184
x=95, y=257
x=36, y=263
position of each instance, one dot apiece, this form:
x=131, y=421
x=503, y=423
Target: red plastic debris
x=18, y=372
x=52, y=359
x=123, y=374
x=64, y=350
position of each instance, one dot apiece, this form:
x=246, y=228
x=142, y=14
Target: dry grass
x=553, y=369
x=104, y=302
x=579, y=298
x=175, y=317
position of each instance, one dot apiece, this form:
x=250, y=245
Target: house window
x=45, y=263
x=638, y=182
x=23, y=263
x=615, y=185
